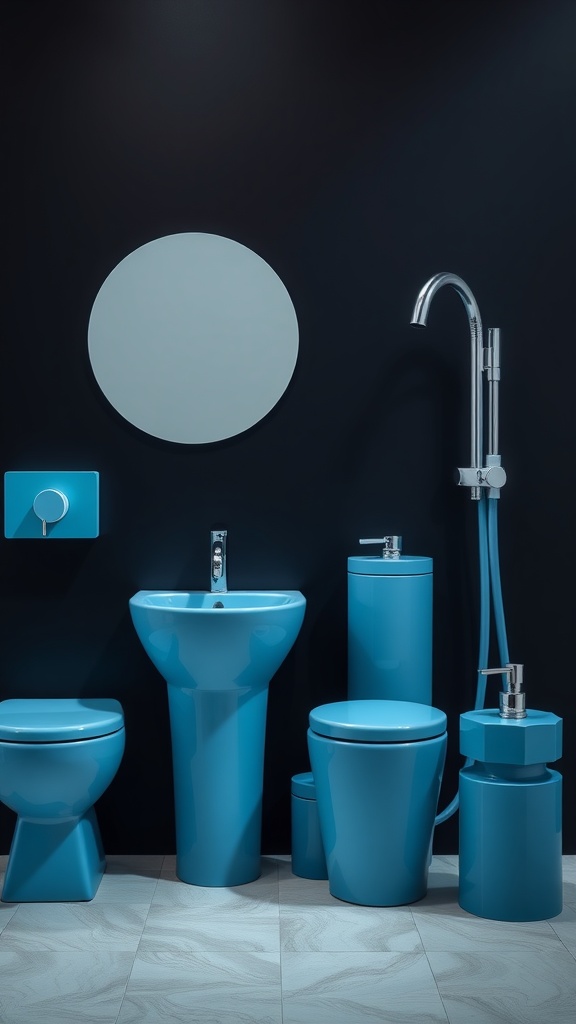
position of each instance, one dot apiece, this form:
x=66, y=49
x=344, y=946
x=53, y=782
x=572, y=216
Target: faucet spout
x=218, y=582
x=419, y=319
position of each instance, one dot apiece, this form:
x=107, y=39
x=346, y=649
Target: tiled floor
x=151, y=950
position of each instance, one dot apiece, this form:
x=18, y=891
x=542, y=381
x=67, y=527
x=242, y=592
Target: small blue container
x=511, y=816
x=377, y=766
x=390, y=628
x=308, y=860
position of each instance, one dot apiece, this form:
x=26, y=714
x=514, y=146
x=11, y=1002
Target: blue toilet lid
x=378, y=721
x=45, y=720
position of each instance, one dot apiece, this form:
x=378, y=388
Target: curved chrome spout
x=419, y=319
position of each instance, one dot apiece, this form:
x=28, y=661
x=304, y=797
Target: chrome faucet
x=477, y=475
x=218, y=584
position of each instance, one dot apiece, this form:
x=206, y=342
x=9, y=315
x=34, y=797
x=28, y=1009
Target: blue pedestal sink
x=218, y=653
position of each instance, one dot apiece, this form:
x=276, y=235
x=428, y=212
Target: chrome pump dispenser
x=512, y=697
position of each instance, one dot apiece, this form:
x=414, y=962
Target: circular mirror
x=193, y=338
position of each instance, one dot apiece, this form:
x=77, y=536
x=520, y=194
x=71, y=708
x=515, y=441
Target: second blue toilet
x=377, y=767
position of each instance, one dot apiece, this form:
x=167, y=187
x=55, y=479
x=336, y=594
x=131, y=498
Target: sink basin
x=201, y=640
x=217, y=653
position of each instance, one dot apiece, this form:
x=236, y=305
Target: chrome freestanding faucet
x=218, y=584
x=481, y=472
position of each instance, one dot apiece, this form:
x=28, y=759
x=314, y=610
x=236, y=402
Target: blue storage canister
x=308, y=859
x=510, y=865
x=390, y=625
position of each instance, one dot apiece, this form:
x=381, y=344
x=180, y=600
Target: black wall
x=358, y=148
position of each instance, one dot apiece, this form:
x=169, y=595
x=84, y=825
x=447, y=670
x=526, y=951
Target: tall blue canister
x=390, y=624
x=510, y=866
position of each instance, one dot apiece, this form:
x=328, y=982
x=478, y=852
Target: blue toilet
x=57, y=757
x=377, y=767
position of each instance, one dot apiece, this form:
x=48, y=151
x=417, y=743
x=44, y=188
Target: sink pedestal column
x=218, y=758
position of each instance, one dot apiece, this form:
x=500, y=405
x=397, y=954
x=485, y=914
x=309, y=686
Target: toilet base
x=55, y=862
x=377, y=804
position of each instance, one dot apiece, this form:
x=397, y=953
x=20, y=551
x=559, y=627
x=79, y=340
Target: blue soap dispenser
x=390, y=624
x=510, y=866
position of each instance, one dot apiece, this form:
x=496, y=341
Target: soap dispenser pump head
x=512, y=697
x=391, y=546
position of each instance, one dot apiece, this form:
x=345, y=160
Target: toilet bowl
x=377, y=767
x=57, y=757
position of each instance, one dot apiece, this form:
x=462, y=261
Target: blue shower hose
x=490, y=596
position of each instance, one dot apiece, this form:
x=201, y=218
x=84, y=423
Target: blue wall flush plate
x=67, y=500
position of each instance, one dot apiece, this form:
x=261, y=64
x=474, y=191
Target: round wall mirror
x=193, y=338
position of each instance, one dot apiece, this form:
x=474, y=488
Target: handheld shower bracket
x=492, y=475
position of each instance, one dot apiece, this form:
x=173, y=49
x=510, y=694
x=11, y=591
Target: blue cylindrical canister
x=308, y=859
x=390, y=628
x=510, y=866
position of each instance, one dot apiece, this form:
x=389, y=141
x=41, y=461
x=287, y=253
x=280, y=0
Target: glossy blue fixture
x=390, y=625
x=378, y=758
x=510, y=809
x=308, y=859
x=51, y=504
x=377, y=767
x=56, y=759
x=218, y=653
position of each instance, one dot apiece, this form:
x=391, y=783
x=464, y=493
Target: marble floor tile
x=141, y=864
x=62, y=987
x=75, y=926
x=239, y=988
x=259, y=897
x=569, y=894
x=295, y=890
x=451, y=929
x=569, y=864
x=7, y=911
x=215, y=954
x=189, y=929
x=443, y=872
x=126, y=889
x=569, y=880
x=129, y=879
x=514, y=987
x=565, y=927
x=340, y=926
x=349, y=988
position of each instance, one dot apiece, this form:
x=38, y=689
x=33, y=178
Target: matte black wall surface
x=358, y=148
